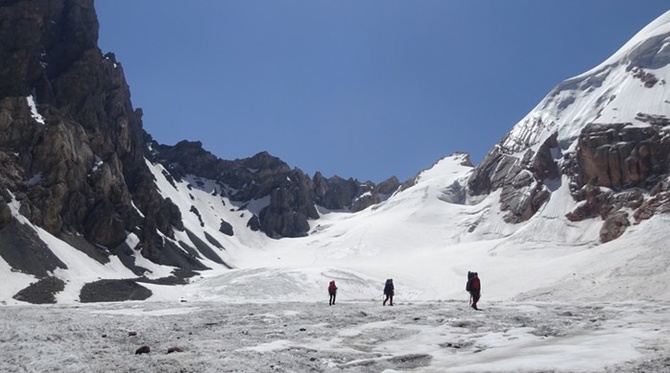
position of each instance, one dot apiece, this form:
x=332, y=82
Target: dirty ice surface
x=351, y=336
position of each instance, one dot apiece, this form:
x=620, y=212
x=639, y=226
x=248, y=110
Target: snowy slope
x=427, y=243
x=427, y=237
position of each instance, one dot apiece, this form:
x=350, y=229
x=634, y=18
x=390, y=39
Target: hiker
x=332, y=291
x=474, y=287
x=388, y=292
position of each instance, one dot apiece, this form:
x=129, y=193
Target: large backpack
x=388, y=286
x=468, y=284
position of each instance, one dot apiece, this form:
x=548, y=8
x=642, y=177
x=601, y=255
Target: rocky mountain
x=73, y=157
x=292, y=194
x=604, y=132
x=93, y=206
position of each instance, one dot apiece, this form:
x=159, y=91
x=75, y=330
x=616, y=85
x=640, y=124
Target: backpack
x=332, y=287
x=388, y=286
x=468, y=284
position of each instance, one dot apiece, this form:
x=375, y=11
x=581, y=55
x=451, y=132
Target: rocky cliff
x=71, y=144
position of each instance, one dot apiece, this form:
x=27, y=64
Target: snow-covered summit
x=646, y=48
x=630, y=82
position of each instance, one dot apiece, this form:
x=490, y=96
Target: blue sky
x=362, y=89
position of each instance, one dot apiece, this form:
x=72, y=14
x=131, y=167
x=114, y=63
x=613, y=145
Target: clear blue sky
x=364, y=89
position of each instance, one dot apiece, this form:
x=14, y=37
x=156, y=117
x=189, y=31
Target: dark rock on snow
x=113, y=291
x=174, y=349
x=42, y=291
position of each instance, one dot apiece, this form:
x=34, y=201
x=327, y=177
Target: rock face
x=630, y=162
x=620, y=156
x=522, y=179
x=72, y=148
x=612, y=167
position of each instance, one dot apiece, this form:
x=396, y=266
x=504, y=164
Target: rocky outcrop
x=291, y=206
x=336, y=193
x=41, y=39
x=621, y=156
x=594, y=202
x=612, y=168
x=226, y=228
x=657, y=203
x=42, y=291
x=616, y=166
x=113, y=291
x=614, y=226
x=646, y=77
x=522, y=179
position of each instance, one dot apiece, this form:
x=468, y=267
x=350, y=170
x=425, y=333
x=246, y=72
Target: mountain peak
x=649, y=48
x=605, y=128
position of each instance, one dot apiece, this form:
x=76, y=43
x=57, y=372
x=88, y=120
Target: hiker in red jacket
x=474, y=286
x=332, y=291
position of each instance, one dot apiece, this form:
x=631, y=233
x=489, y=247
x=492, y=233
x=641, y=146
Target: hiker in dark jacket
x=388, y=292
x=332, y=292
x=475, y=288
